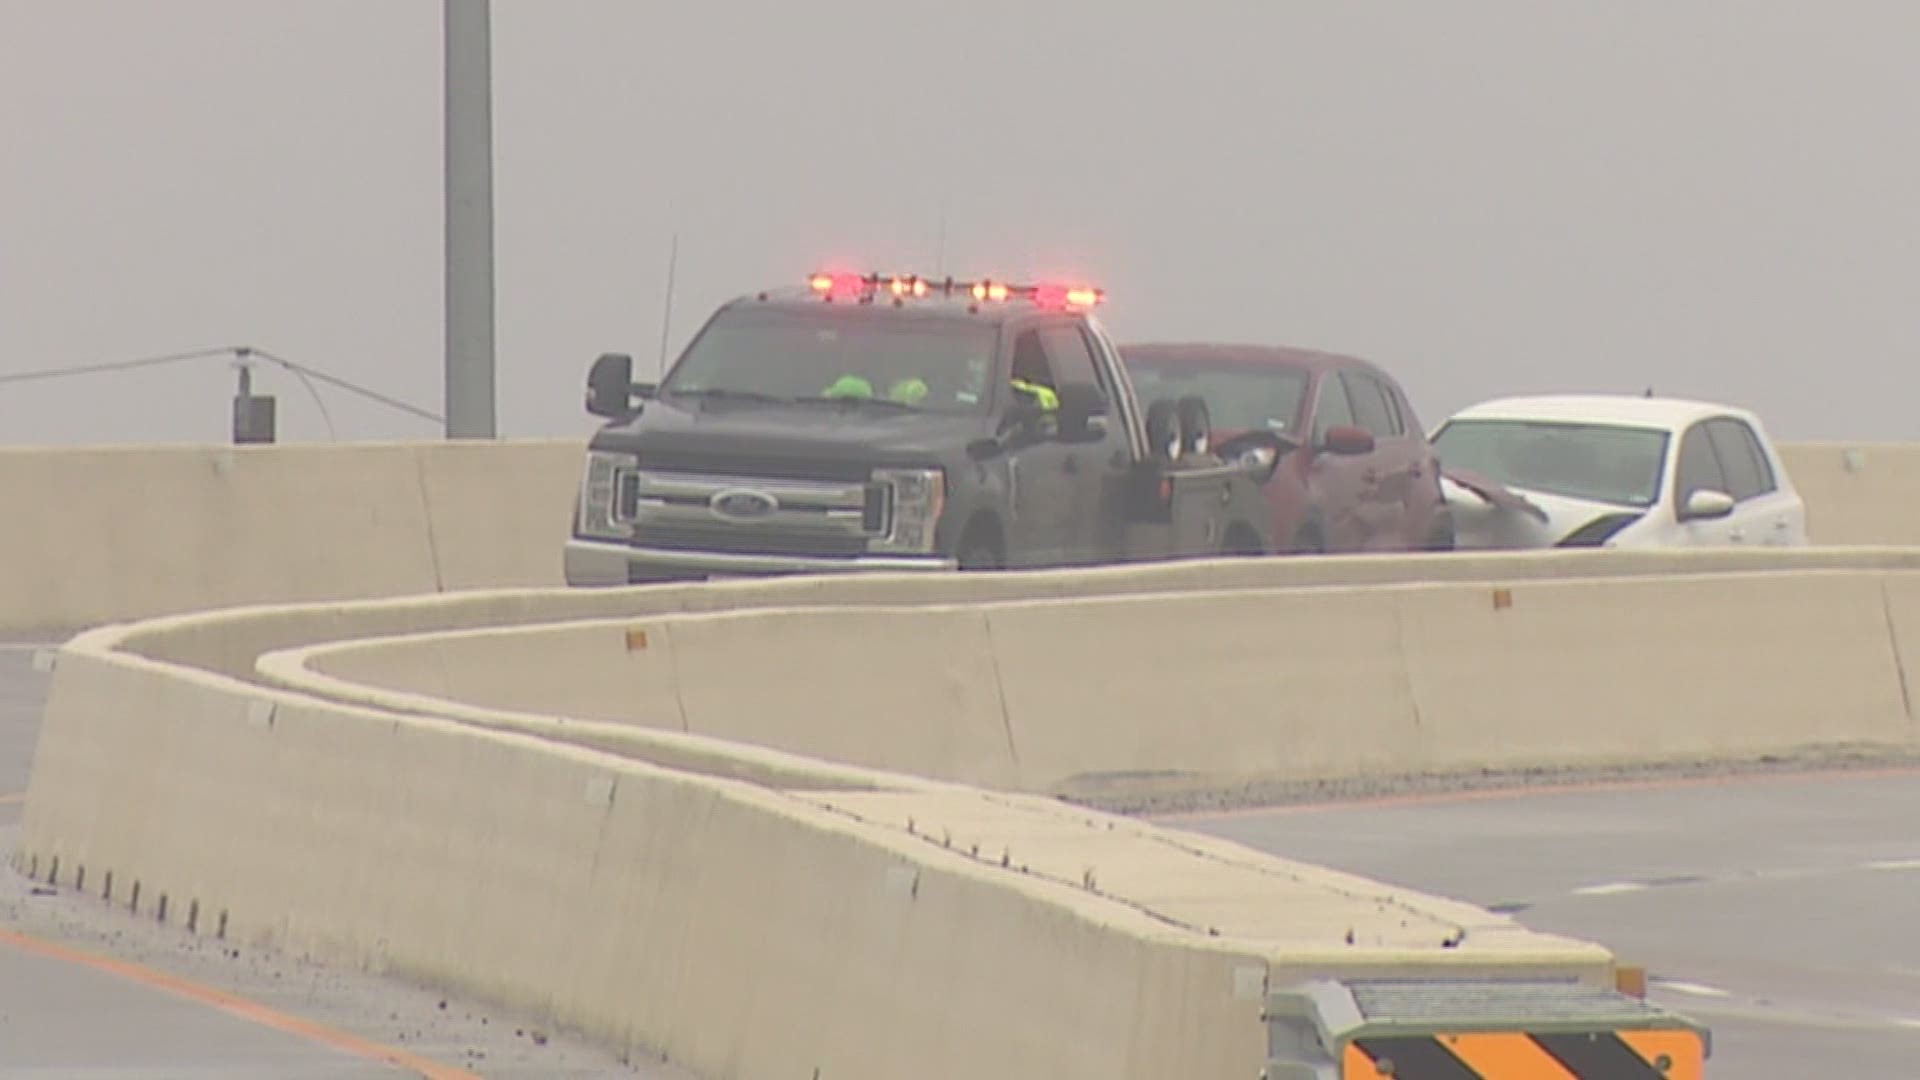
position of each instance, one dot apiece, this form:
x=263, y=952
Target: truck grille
x=744, y=468
x=751, y=514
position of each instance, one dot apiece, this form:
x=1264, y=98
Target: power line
x=116, y=365
x=307, y=376
x=337, y=381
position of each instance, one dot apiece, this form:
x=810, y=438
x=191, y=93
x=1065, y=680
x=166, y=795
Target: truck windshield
x=1239, y=397
x=787, y=356
x=1607, y=463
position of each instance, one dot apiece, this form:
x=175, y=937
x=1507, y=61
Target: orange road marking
x=252, y=1012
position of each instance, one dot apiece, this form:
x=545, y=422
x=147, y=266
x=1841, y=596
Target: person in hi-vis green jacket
x=1049, y=401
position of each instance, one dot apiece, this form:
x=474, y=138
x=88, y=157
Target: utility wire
x=326, y=415
x=306, y=375
x=337, y=381
x=117, y=365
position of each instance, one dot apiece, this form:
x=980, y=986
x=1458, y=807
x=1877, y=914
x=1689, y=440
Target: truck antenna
x=940, y=250
x=666, y=315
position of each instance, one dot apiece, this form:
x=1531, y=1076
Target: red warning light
x=832, y=285
x=1067, y=296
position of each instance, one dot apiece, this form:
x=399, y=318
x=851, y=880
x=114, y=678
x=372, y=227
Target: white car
x=1614, y=471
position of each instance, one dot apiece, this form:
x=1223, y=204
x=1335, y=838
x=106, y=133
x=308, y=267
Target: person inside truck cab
x=1031, y=374
x=910, y=390
x=913, y=389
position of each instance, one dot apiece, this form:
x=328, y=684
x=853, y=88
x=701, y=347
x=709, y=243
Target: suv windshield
x=786, y=356
x=1239, y=397
x=1603, y=462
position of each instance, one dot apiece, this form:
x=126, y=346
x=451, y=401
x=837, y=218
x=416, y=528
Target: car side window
x=1699, y=466
x=1072, y=360
x=1331, y=409
x=1747, y=471
x=1370, y=404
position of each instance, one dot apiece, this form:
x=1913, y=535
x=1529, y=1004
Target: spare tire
x=1164, y=435
x=1196, y=427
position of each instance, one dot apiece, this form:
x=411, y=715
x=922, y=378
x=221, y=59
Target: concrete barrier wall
x=742, y=931
x=105, y=534
x=1203, y=689
x=229, y=641
x=97, y=535
x=1858, y=493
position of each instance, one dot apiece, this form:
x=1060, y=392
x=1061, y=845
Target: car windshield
x=1239, y=397
x=781, y=355
x=1608, y=463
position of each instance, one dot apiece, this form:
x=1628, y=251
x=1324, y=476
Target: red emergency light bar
x=831, y=286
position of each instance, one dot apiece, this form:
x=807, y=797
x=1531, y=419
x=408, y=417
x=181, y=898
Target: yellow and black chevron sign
x=1519, y=1055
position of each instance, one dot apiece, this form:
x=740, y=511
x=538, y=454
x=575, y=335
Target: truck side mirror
x=610, y=386
x=1079, y=404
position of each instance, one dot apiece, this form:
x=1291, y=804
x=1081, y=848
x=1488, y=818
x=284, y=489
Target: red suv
x=1358, y=474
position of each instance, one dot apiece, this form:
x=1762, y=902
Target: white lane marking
x=1905, y=1023
x=1609, y=889
x=1696, y=989
x=1894, y=864
x=8, y=647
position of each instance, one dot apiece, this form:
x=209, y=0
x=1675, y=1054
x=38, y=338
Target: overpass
x=574, y=806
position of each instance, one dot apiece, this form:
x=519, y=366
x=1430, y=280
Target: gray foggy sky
x=1718, y=197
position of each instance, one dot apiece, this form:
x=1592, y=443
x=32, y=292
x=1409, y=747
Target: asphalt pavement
x=1782, y=911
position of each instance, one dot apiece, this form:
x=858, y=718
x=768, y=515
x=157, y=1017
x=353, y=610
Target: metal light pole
x=467, y=35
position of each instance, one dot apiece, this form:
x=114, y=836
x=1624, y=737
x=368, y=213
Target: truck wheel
x=1164, y=435
x=1196, y=427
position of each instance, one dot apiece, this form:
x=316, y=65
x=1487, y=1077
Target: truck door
x=1040, y=472
x=1095, y=472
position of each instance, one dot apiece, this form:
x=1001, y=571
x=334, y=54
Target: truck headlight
x=601, y=515
x=915, y=497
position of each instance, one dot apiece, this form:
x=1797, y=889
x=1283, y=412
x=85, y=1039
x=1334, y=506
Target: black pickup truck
x=864, y=422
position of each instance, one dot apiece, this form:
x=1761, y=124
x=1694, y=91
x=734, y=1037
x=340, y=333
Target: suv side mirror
x=1347, y=440
x=610, y=387
x=1706, y=504
x=1079, y=404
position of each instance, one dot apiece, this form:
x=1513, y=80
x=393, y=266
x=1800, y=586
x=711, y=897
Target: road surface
x=1780, y=910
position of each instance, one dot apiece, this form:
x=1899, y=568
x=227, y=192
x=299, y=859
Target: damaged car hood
x=1488, y=514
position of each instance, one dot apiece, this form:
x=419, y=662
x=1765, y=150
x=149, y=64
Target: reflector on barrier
x=1485, y=1029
